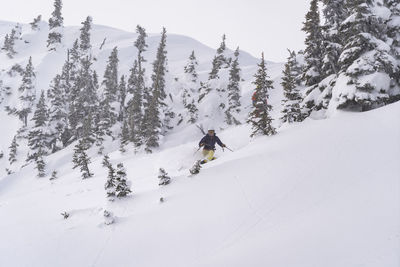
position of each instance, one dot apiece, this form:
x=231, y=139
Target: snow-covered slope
x=321, y=193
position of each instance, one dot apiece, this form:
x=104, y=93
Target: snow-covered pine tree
x=219, y=60
x=163, y=177
x=157, y=114
x=260, y=118
x=291, y=103
x=394, y=34
x=137, y=91
x=58, y=115
x=335, y=13
x=124, y=138
x=191, y=67
x=122, y=186
x=121, y=98
x=85, y=35
x=9, y=42
x=84, y=102
x=314, y=50
x=233, y=110
x=106, y=161
x=56, y=23
x=35, y=23
x=28, y=93
x=81, y=159
x=38, y=135
x=109, y=103
x=40, y=164
x=367, y=66
x=13, y=151
x=110, y=185
x=190, y=91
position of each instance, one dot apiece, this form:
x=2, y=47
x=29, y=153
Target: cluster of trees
x=353, y=57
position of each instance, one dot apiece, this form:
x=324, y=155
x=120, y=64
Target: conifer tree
x=85, y=35
x=109, y=105
x=335, y=13
x=55, y=24
x=121, y=98
x=291, y=103
x=122, y=186
x=233, y=92
x=40, y=164
x=9, y=42
x=163, y=177
x=219, y=60
x=191, y=67
x=110, y=185
x=313, y=53
x=137, y=88
x=190, y=94
x=153, y=123
x=13, y=151
x=38, y=137
x=80, y=158
x=35, y=23
x=260, y=118
x=124, y=139
x=364, y=64
x=394, y=34
x=28, y=93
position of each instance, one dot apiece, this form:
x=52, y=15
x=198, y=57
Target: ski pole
x=196, y=151
x=229, y=149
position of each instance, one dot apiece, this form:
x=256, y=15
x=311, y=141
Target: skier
x=208, y=144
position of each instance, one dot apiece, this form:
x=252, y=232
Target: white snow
x=320, y=193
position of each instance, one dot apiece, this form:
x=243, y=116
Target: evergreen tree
x=219, y=60
x=80, y=158
x=234, y=92
x=335, y=13
x=137, y=89
x=9, y=42
x=191, y=67
x=13, y=151
x=394, y=34
x=153, y=123
x=55, y=25
x=37, y=137
x=110, y=185
x=109, y=105
x=365, y=64
x=189, y=94
x=291, y=103
x=313, y=52
x=122, y=186
x=53, y=175
x=35, y=23
x=124, y=139
x=260, y=118
x=85, y=35
x=40, y=164
x=121, y=98
x=163, y=177
x=28, y=93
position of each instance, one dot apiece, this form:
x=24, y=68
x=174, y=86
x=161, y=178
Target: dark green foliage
x=80, y=158
x=85, y=35
x=259, y=117
x=35, y=22
x=313, y=52
x=122, y=186
x=291, y=103
x=55, y=24
x=13, y=151
x=163, y=177
x=233, y=109
x=27, y=90
x=219, y=60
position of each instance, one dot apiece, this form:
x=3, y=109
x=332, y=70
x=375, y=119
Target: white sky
x=254, y=25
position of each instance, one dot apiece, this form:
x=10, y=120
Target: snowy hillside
x=47, y=64
x=294, y=199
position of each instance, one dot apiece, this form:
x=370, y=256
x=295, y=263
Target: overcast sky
x=254, y=25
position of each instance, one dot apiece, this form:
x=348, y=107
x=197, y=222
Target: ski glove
x=202, y=144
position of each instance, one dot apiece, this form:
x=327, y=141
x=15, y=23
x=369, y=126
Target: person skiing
x=208, y=144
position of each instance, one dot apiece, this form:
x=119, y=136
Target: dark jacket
x=209, y=142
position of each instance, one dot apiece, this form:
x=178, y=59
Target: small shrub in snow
x=108, y=217
x=53, y=175
x=65, y=215
x=163, y=177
